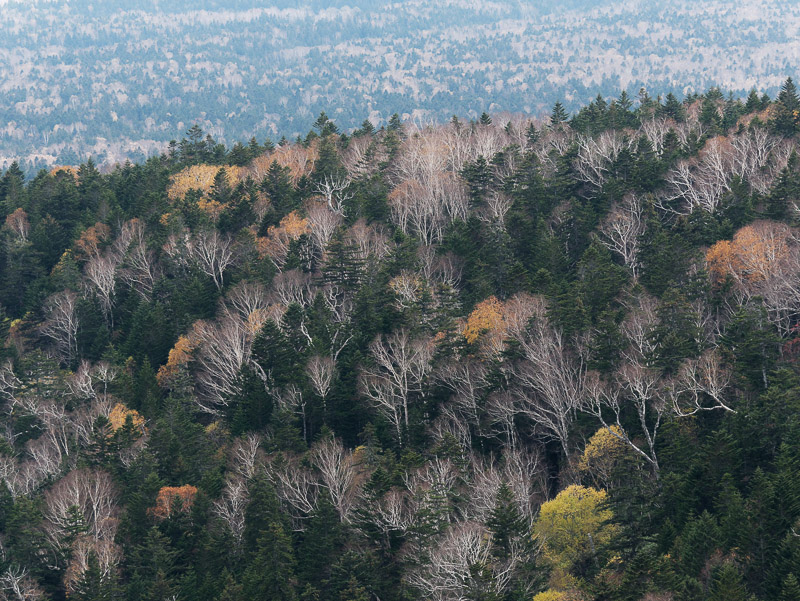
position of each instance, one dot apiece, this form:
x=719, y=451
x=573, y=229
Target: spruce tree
x=558, y=115
x=271, y=575
x=728, y=585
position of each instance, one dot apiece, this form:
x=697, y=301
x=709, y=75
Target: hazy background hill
x=118, y=80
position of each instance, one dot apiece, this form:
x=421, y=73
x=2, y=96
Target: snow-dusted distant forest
x=117, y=80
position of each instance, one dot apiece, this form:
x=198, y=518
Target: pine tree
x=505, y=521
x=673, y=108
x=558, y=115
x=93, y=586
x=728, y=585
x=271, y=575
x=791, y=589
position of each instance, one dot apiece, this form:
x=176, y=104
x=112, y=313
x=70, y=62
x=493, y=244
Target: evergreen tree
x=271, y=574
x=506, y=522
x=558, y=115
x=728, y=585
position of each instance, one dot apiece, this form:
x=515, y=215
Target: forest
x=488, y=360
x=116, y=81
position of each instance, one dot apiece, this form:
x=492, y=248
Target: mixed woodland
x=550, y=360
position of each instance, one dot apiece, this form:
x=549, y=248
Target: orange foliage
x=276, y=243
x=56, y=169
x=487, y=317
x=119, y=415
x=179, y=355
x=89, y=243
x=173, y=498
x=756, y=252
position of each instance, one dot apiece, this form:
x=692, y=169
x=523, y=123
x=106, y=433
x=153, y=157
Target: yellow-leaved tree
x=601, y=457
x=573, y=527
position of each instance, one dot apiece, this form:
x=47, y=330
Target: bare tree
x=341, y=474
x=93, y=494
x=293, y=286
x=245, y=299
x=656, y=130
x=596, y=156
x=231, y=507
x=101, y=275
x=622, y=230
x=212, y=252
x=61, y=323
x=17, y=585
x=17, y=223
x=323, y=222
x=320, y=372
x=449, y=574
x=295, y=486
x=371, y=240
x=334, y=190
x=468, y=380
x=701, y=183
x=291, y=400
x=138, y=265
x=400, y=366
x=638, y=385
x=699, y=381
x=223, y=347
x=550, y=379
x=245, y=455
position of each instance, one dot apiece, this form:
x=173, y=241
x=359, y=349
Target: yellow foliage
x=56, y=169
x=572, y=525
x=91, y=239
x=487, y=317
x=276, y=242
x=550, y=595
x=179, y=355
x=119, y=415
x=602, y=452
x=212, y=208
x=299, y=159
x=164, y=219
x=201, y=177
x=294, y=225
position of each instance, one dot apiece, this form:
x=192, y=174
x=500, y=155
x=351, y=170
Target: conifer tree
x=271, y=575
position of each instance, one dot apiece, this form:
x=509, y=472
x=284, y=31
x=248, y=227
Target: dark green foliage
x=271, y=574
x=281, y=511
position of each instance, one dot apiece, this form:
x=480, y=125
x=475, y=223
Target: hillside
x=480, y=360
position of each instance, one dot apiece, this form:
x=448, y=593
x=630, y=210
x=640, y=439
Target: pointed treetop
x=559, y=114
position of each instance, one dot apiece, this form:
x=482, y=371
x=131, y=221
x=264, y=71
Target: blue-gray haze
x=120, y=79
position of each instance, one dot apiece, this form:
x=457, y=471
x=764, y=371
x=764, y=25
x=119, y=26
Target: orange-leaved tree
x=173, y=499
x=756, y=252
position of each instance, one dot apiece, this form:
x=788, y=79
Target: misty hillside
x=115, y=80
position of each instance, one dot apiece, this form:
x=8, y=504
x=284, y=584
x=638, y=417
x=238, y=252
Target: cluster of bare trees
x=67, y=412
x=701, y=183
x=81, y=519
x=208, y=250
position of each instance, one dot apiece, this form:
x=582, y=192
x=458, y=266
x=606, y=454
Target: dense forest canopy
x=115, y=80
x=483, y=360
